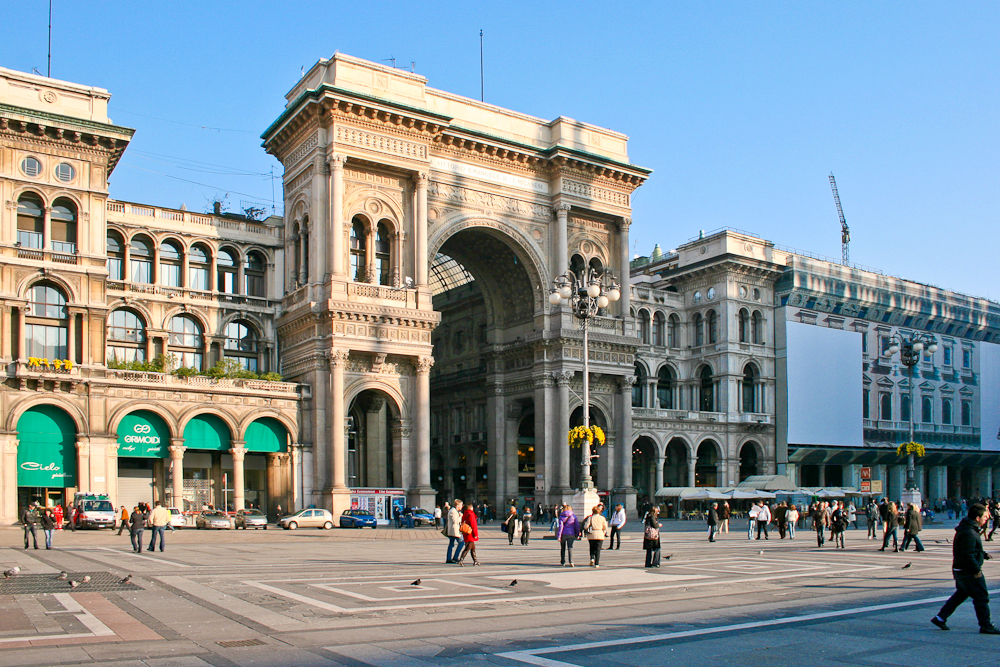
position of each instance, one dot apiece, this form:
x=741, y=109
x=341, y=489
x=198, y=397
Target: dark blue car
x=357, y=519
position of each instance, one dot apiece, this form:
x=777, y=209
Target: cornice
x=44, y=126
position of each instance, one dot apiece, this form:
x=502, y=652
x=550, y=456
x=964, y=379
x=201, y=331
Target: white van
x=94, y=511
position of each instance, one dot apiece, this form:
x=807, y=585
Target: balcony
x=754, y=418
x=681, y=415
x=201, y=381
x=155, y=217
x=39, y=255
x=184, y=292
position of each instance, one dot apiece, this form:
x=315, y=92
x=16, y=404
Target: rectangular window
x=864, y=405
x=187, y=359
x=127, y=354
x=966, y=358
x=140, y=271
x=247, y=363
x=198, y=278
x=227, y=282
x=29, y=239
x=45, y=342
x=171, y=274
x=254, y=285
x=947, y=356
x=114, y=268
x=864, y=342
x=966, y=413
x=66, y=247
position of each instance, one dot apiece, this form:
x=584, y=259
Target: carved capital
x=514, y=411
x=375, y=404
x=624, y=224
x=338, y=358
x=543, y=381
x=423, y=365
x=625, y=382
x=421, y=178
x=336, y=162
x=112, y=450
x=83, y=449
x=238, y=453
x=561, y=210
x=177, y=451
x=562, y=378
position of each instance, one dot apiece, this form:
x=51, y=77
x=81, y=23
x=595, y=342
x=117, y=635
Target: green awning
x=46, y=448
x=207, y=432
x=266, y=435
x=143, y=434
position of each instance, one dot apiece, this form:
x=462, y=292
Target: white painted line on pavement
x=533, y=656
x=35, y=638
x=158, y=560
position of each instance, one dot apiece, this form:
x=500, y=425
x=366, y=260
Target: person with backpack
x=838, y=525
x=595, y=528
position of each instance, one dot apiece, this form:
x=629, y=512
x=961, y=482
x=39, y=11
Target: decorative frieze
x=487, y=200
x=299, y=153
x=585, y=191
x=380, y=143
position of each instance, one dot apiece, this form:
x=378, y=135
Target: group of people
x=156, y=518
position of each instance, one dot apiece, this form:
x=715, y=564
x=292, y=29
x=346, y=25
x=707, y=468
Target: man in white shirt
x=752, y=515
x=437, y=516
x=617, y=523
x=159, y=519
x=763, y=518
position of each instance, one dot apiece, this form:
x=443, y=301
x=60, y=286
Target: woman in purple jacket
x=567, y=532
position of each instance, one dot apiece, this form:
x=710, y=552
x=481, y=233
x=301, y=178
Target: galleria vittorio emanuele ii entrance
x=424, y=233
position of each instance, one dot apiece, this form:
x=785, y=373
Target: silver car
x=250, y=519
x=213, y=519
x=310, y=518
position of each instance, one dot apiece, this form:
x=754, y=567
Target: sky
x=741, y=110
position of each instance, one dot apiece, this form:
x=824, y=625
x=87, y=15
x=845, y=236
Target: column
x=545, y=440
x=374, y=464
x=71, y=338
x=318, y=218
x=296, y=461
x=337, y=214
x=658, y=483
x=337, y=471
x=625, y=277
x=86, y=322
x=304, y=252
x=692, y=461
x=561, y=449
x=6, y=333
x=422, y=479
x=21, y=347
x=8, y=478
x=83, y=476
x=177, y=449
x=47, y=229
x=560, y=262
x=238, y=452
x=625, y=443
x=420, y=237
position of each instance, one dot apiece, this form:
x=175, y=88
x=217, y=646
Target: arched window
x=644, y=326
x=30, y=221
x=698, y=323
x=46, y=323
x=171, y=264
x=226, y=266
x=673, y=331
x=750, y=376
x=304, y=269
x=927, y=410
x=296, y=252
x=904, y=408
x=186, y=341
x=885, y=407
x=713, y=327
x=596, y=264
x=140, y=260
x=744, y=326
x=63, y=225
x=253, y=275
x=242, y=344
x=577, y=265
x=707, y=390
x=757, y=328
x=639, y=388
x=665, y=381
x=659, y=324
x=199, y=268
x=966, y=413
x=116, y=257
x=383, y=255
x=126, y=336
x=945, y=410
x=358, y=253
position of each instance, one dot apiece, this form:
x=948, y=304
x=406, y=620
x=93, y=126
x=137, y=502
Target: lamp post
x=587, y=294
x=910, y=349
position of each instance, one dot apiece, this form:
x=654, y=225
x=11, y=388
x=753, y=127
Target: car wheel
x=328, y=525
x=292, y=525
x=265, y=527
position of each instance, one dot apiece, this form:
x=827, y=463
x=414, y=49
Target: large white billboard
x=825, y=386
x=989, y=406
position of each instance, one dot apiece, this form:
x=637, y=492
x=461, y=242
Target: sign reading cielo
x=143, y=434
x=489, y=175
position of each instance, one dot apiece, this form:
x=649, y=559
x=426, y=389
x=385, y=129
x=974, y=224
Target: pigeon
x=907, y=566
x=63, y=575
x=74, y=584
x=668, y=557
x=127, y=579
x=86, y=578
x=513, y=583
x=7, y=574
x=760, y=553
x=415, y=583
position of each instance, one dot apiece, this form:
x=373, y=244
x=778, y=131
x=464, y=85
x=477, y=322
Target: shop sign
x=140, y=437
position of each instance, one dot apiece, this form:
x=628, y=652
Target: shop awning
x=767, y=483
x=143, y=434
x=207, y=432
x=46, y=449
x=266, y=435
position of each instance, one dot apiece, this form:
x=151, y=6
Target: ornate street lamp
x=587, y=294
x=911, y=348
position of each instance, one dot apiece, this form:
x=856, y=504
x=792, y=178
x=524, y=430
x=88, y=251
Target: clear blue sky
x=741, y=109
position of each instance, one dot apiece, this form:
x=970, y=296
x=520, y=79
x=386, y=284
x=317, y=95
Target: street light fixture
x=587, y=294
x=910, y=349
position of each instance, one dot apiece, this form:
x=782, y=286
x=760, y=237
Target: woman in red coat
x=470, y=532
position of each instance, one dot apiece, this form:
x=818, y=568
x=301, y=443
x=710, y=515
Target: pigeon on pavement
x=63, y=575
x=126, y=579
x=415, y=583
x=668, y=557
x=74, y=584
x=86, y=578
x=514, y=583
x=760, y=553
x=907, y=566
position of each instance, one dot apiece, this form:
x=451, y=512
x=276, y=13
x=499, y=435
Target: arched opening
x=526, y=455
x=143, y=447
x=639, y=387
x=46, y=324
x=744, y=325
x=644, y=326
x=374, y=454
x=116, y=256
x=359, y=249
x=597, y=418
x=206, y=439
x=243, y=345
x=254, y=274
x=659, y=327
x=713, y=327
x=749, y=460
x=644, y=471
x=673, y=331
x=63, y=225
x=46, y=456
x=227, y=264
x=595, y=263
x=186, y=342
x=126, y=337
x=757, y=328
x=904, y=408
x=266, y=480
x=706, y=390
x=666, y=388
x=749, y=389
x=946, y=411
x=706, y=469
x=577, y=264
x=383, y=255
x=140, y=264
x=30, y=222
x=675, y=463
x=171, y=264
x=199, y=268
x=698, y=324
x=927, y=410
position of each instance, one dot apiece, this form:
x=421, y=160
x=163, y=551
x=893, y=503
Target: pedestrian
x=819, y=523
x=123, y=517
x=994, y=511
x=967, y=568
x=713, y=521
x=781, y=519
x=872, y=512
x=48, y=521
x=278, y=511
x=595, y=528
x=29, y=517
x=890, y=527
x=453, y=531
x=912, y=525
x=617, y=522
x=852, y=514
x=838, y=525
x=567, y=532
x=398, y=516
x=58, y=514
x=437, y=516
x=763, y=518
x=509, y=524
x=651, y=537
x=470, y=533
x=792, y=518
x=71, y=517
x=137, y=524
x=752, y=518
x=526, y=526
x=158, y=520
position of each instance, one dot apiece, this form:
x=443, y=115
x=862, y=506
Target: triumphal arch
x=423, y=233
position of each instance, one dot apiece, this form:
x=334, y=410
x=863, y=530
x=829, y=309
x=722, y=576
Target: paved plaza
x=346, y=597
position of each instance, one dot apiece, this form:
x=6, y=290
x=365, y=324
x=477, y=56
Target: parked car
x=357, y=519
x=420, y=517
x=250, y=518
x=310, y=518
x=94, y=511
x=177, y=518
x=212, y=519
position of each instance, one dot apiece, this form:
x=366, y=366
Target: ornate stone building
x=392, y=191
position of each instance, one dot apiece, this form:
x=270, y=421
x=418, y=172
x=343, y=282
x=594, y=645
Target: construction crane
x=845, y=233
